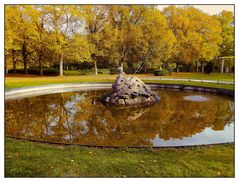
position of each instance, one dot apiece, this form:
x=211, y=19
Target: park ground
x=16, y=81
x=25, y=159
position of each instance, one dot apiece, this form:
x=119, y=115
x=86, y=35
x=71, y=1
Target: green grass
x=25, y=159
x=202, y=76
x=193, y=75
x=85, y=72
x=214, y=85
x=16, y=82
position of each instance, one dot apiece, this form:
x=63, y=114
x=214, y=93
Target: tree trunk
x=202, y=66
x=177, y=67
x=95, y=67
x=122, y=66
x=24, y=55
x=61, y=64
x=222, y=65
x=25, y=65
x=165, y=65
x=227, y=69
x=196, y=66
x=40, y=65
x=122, y=59
x=13, y=62
x=14, y=65
x=6, y=68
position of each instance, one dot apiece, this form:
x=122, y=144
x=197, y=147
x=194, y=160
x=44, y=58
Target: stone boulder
x=130, y=91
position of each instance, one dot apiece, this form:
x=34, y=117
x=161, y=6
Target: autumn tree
x=138, y=37
x=197, y=33
x=19, y=23
x=11, y=47
x=62, y=22
x=156, y=41
x=95, y=19
x=208, y=30
x=38, y=17
x=226, y=20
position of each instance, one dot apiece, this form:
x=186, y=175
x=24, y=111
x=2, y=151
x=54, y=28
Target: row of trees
x=45, y=35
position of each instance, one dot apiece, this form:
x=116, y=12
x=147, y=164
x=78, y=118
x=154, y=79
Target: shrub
x=151, y=70
x=50, y=71
x=113, y=71
x=104, y=71
x=17, y=71
x=209, y=68
x=160, y=72
x=35, y=71
x=78, y=72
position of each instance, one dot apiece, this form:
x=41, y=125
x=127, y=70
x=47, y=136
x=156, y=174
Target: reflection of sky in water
x=68, y=137
x=208, y=136
x=84, y=128
x=71, y=105
x=197, y=98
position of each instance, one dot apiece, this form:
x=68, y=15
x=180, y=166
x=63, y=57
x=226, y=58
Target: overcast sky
x=210, y=9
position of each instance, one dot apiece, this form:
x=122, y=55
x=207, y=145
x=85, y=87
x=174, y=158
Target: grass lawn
x=193, y=75
x=24, y=159
x=24, y=81
x=202, y=76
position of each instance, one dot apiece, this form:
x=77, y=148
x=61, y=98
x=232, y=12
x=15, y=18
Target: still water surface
x=179, y=119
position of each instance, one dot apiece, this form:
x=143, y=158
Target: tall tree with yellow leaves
x=62, y=23
x=95, y=18
x=19, y=23
x=198, y=35
x=142, y=34
x=11, y=47
x=226, y=20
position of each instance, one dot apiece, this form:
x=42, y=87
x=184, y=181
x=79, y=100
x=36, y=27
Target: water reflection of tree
x=73, y=117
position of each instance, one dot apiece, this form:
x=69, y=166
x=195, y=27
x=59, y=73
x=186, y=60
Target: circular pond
x=181, y=118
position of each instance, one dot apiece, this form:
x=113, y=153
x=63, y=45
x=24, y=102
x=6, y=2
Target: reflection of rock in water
x=136, y=114
x=130, y=91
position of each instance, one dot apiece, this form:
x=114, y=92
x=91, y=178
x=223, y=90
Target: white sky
x=210, y=9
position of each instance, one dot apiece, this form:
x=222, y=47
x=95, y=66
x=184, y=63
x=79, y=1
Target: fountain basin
x=77, y=117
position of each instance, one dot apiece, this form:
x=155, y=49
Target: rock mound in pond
x=130, y=91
